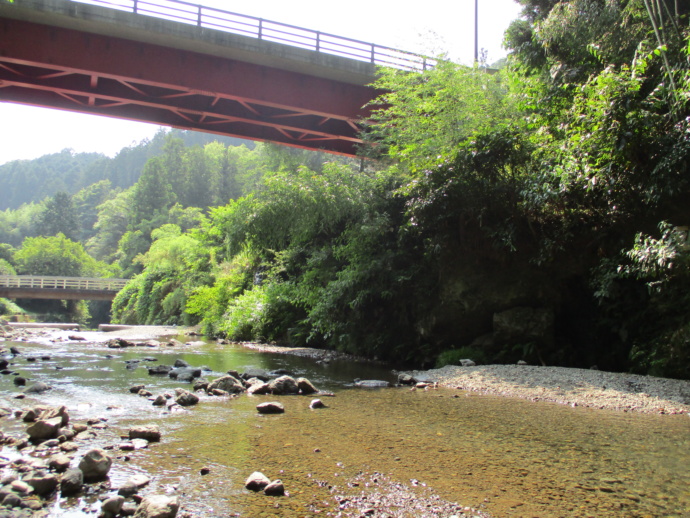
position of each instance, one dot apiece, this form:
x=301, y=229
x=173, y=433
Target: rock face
x=158, y=506
x=283, y=385
x=524, y=325
x=95, y=465
x=271, y=407
x=229, y=384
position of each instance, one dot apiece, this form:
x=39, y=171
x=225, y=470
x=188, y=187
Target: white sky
x=424, y=26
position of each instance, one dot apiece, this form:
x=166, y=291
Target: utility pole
x=476, y=31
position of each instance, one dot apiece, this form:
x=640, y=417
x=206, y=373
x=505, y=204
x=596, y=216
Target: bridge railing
x=227, y=21
x=64, y=283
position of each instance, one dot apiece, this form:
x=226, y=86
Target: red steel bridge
x=191, y=67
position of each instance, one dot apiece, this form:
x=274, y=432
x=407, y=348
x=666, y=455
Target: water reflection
x=513, y=458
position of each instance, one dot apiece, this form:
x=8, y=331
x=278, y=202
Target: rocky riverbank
x=568, y=386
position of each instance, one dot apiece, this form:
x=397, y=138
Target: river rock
x=136, y=388
x=95, y=464
x=185, y=373
x=185, y=397
x=258, y=387
x=59, y=462
x=466, y=362
x=275, y=488
x=270, y=407
x=371, y=383
x=257, y=481
x=118, y=343
x=160, y=400
x=305, y=386
x=181, y=363
x=111, y=506
x=283, y=385
x=44, y=429
x=150, y=432
x=201, y=384
x=406, y=379
x=255, y=373
x=12, y=500
x=42, y=482
x=228, y=383
x=19, y=381
x=316, y=403
x=71, y=482
x=38, y=388
x=157, y=506
x=159, y=370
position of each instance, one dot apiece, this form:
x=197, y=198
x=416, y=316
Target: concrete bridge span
x=59, y=288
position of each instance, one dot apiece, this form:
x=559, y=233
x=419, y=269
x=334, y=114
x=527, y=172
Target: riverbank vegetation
x=537, y=213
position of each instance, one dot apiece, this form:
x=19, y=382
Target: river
x=507, y=457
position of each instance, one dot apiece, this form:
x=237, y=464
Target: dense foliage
x=538, y=212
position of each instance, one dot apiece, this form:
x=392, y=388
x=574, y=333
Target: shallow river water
x=510, y=458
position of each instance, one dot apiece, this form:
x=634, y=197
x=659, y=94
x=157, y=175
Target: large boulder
x=229, y=384
x=283, y=385
x=157, y=506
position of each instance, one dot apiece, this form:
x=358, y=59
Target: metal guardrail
x=226, y=21
x=63, y=283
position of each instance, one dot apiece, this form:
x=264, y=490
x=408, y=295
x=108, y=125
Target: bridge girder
x=68, y=69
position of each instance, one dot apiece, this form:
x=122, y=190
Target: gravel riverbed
x=575, y=387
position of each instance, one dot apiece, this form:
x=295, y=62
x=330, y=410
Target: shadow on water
x=510, y=457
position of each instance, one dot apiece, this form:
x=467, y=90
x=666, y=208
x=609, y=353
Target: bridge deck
x=59, y=288
x=200, y=73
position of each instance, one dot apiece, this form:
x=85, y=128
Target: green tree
x=59, y=216
x=57, y=255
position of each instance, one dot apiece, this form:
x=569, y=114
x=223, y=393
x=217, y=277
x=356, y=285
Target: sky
x=425, y=26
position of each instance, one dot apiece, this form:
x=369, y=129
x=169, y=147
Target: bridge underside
x=56, y=294
x=69, y=69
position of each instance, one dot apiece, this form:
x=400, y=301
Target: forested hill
x=27, y=181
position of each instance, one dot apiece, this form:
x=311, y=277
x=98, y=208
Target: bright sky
x=424, y=26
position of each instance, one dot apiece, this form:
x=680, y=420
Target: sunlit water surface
x=510, y=457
